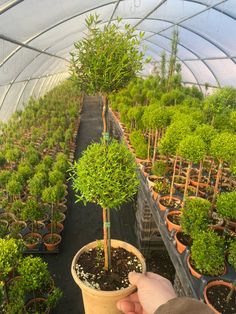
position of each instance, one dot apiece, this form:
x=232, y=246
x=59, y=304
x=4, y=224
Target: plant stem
x=199, y=177
x=104, y=113
x=173, y=179
x=105, y=238
x=187, y=181
x=218, y=177
x=155, y=146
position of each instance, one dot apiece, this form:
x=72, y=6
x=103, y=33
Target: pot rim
x=114, y=243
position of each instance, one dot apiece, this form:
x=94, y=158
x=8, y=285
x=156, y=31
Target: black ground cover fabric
x=84, y=223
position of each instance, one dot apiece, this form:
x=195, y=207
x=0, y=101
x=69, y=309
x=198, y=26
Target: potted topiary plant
x=207, y=254
x=52, y=195
x=226, y=208
x=105, y=175
x=220, y=295
x=222, y=153
x=106, y=60
x=192, y=149
x=194, y=218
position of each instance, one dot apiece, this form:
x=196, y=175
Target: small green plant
x=226, y=205
x=53, y=298
x=10, y=254
x=34, y=273
x=194, y=216
x=159, y=168
x=32, y=156
x=139, y=144
x=208, y=253
x=36, y=184
x=31, y=212
x=56, y=176
x=162, y=187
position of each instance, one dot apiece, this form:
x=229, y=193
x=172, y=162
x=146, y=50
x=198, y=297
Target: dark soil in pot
x=175, y=219
x=37, y=306
x=90, y=268
x=184, y=238
x=173, y=204
x=217, y=296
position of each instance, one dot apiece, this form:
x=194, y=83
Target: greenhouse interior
x=117, y=156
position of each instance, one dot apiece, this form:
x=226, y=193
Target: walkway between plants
x=84, y=223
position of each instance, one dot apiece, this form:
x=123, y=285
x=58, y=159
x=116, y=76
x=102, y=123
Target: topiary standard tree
x=195, y=216
x=106, y=59
x=169, y=143
x=226, y=206
x=105, y=175
x=223, y=149
x=207, y=134
x=191, y=148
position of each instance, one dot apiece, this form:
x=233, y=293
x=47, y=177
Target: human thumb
x=135, y=277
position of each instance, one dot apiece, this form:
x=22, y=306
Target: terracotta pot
x=18, y=224
x=194, y=272
x=151, y=180
x=57, y=227
x=97, y=301
x=181, y=247
x=166, y=197
x=180, y=184
x=211, y=284
x=51, y=246
x=37, y=300
x=170, y=225
x=10, y=217
x=36, y=236
x=193, y=182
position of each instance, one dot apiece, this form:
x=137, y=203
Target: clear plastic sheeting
x=36, y=38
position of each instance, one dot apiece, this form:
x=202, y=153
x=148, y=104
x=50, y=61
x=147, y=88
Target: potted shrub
x=207, y=254
x=220, y=295
x=226, y=207
x=192, y=149
x=222, y=153
x=105, y=175
x=168, y=147
x=52, y=195
x=194, y=218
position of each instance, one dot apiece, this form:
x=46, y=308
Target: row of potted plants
x=36, y=147
x=25, y=283
x=196, y=216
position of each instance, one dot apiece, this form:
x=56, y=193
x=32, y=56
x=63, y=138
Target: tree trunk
x=187, y=181
x=104, y=113
x=199, y=177
x=209, y=173
x=173, y=179
x=105, y=238
x=218, y=177
x=149, y=144
x=155, y=146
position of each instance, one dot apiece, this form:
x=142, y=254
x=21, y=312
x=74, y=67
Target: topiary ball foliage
x=105, y=175
x=208, y=253
x=226, y=205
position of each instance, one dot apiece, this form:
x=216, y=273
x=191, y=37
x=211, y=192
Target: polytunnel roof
x=36, y=37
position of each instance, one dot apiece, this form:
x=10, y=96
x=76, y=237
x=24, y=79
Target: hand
x=153, y=291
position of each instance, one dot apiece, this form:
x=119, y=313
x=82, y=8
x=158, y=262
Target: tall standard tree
x=106, y=59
